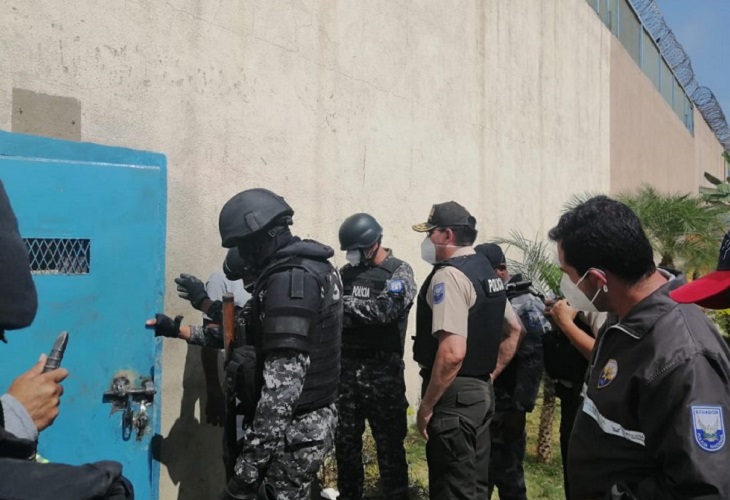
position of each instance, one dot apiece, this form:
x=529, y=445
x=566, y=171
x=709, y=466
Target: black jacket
x=24, y=479
x=657, y=407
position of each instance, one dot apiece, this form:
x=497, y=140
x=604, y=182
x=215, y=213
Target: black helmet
x=250, y=212
x=359, y=231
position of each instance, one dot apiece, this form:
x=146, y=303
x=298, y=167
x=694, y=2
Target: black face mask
x=258, y=250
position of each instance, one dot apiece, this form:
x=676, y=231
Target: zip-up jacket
x=656, y=408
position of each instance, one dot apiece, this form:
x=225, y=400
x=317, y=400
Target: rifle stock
x=229, y=343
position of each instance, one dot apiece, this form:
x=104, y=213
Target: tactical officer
x=466, y=333
x=379, y=291
x=516, y=388
x=295, y=329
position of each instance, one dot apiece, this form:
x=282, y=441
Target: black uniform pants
x=570, y=402
x=458, y=441
x=507, y=455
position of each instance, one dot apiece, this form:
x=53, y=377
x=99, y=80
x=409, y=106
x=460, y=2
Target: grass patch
x=544, y=480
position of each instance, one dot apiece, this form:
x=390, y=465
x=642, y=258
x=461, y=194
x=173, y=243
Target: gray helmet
x=359, y=231
x=250, y=212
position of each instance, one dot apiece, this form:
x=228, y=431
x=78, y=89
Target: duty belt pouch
x=241, y=379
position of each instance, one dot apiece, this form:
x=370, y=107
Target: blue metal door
x=94, y=221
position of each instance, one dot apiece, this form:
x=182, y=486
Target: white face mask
x=353, y=257
x=428, y=251
x=575, y=296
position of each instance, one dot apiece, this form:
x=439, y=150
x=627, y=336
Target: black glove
x=165, y=326
x=191, y=288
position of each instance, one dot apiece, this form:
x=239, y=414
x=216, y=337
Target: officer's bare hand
x=562, y=313
x=164, y=326
x=423, y=417
x=40, y=393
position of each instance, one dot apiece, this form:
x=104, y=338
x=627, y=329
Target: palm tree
x=683, y=229
x=538, y=264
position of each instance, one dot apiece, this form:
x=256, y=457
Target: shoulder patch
x=708, y=427
x=396, y=286
x=608, y=373
x=439, y=292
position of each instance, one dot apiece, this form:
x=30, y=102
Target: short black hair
x=605, y=234
x=464, y=235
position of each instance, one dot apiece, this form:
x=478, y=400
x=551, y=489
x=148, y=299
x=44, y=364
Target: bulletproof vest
x=484, y=329
x=365, y=282
x=323, y=336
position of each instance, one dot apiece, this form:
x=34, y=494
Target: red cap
x=712, y=290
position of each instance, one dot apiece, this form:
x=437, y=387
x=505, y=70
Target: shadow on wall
x=192, y=451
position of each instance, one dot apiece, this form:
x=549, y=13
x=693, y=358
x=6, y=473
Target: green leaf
x=712, y=179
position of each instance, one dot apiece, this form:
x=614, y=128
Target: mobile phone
x=59, y=347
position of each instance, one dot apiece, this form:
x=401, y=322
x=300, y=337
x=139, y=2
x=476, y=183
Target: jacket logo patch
x=361, y=292
x=439, y=292
x=708, y=427
x=395, y=286
x=608, y=373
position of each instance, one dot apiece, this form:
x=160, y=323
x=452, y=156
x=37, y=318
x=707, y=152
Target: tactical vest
x=486, y=316
x=366, y=282
x=323, y=337
x=528, y=358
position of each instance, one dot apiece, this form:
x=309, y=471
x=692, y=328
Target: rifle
x=229, y=344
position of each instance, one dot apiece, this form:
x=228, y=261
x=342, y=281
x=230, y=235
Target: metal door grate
x=63, y=256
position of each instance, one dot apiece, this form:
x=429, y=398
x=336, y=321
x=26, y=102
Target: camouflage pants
x=372, y=389
x=300, y=454
x=507, y=454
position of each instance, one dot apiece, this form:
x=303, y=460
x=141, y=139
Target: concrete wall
x=708, y=152
x=380, y=106
x=649, y=143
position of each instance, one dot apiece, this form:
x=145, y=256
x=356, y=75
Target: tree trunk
x=547, y=415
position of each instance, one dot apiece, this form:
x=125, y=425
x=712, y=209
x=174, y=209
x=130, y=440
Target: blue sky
x=703, y=29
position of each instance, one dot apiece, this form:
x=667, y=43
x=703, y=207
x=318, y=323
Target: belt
x=426, y=375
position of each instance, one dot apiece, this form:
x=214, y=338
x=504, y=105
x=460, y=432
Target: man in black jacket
x=31, y=403
x=657, y=399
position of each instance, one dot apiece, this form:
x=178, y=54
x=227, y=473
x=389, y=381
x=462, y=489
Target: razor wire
x=680, y=63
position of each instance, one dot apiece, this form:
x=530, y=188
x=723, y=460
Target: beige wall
x=708, y=152
x=649, y=143
x=380, y=106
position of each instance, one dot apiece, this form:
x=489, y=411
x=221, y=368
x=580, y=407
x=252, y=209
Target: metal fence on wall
x=673, y=52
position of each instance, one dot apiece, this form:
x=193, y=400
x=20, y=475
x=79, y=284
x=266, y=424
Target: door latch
x=123, y=397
